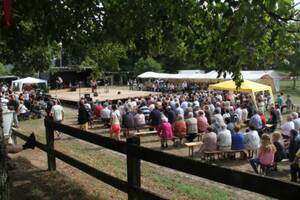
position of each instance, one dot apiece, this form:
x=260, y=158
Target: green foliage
x=107, y=56
x=3, y=70
x=223, y=35
x=148, y=64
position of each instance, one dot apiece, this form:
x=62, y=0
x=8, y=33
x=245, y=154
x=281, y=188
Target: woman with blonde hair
x=266, y=153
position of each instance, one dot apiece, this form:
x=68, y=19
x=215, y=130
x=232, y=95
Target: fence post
x=4, y=182
x=50, y=145
x=133, y=169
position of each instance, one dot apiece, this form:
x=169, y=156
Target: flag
x=7, y=12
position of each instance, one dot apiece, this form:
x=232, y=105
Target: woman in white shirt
x=139, y=119
x=287, y=127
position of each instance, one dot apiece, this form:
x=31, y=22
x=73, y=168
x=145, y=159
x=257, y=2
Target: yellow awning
x=247, y=86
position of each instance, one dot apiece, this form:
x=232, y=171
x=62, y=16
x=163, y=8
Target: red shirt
x=97, y=110
x=263, y=120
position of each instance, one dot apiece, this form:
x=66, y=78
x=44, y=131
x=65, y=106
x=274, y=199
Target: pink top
x=266, y=157
x=165, y=130
x=202, y=123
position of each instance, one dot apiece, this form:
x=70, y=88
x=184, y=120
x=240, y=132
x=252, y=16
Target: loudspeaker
x=95, y=94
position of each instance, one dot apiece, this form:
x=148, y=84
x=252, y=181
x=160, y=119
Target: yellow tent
x=247, y=86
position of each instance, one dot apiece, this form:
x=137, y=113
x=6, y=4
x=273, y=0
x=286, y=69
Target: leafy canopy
x=225, y=35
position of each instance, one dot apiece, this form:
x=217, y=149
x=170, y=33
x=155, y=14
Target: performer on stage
x=94, y=85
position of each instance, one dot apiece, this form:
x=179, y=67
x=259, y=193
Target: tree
x=292, y=65
x=225, y=35
x=3, y=70
x=148, y=64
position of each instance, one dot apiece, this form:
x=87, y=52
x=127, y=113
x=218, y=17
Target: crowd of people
x=226, y=120
x=26, y=105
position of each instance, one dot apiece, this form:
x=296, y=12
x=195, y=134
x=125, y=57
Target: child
x=266, y=153
x=165, y=132
x=280, y=154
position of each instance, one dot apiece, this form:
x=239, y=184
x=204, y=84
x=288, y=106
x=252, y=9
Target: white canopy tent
x=29, y=80
x=269, y=77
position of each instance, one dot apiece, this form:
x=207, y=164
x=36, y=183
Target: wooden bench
x=191, y=146
x=251, y=152
x=145, y=133
x=199, y=136
x=242, y=152
x=210, y=155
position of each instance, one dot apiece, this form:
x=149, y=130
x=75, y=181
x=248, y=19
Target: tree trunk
x=4, y=185
x=294, y=84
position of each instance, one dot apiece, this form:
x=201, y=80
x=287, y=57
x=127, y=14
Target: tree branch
x=277, y=17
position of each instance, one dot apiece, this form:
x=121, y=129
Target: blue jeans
x=254, y=162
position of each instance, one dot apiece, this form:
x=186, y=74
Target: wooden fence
x=135, y=153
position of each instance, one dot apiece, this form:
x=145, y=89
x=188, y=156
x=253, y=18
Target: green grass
x=287, y=88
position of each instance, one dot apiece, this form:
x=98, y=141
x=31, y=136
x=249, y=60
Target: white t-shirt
x=57, y=112
x=23, y=109
x=287, y=127
x=224, y=138
x=244, y=114
x=251, y=140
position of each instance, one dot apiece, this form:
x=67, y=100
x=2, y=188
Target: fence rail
x=135, y=153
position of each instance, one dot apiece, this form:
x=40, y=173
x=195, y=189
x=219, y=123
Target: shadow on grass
x=31, y=183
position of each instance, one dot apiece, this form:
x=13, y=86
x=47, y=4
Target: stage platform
x=103, y=95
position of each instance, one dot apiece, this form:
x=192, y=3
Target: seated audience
x=237, y=138
x=280, y=154
x=180, y=127
x=209, y=141
x=266, y=153
x=224, y=138
x=287, y=127
x=202, y=121
x=251, y=140
x=192, y=127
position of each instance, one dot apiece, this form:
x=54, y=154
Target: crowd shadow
x=31, y=183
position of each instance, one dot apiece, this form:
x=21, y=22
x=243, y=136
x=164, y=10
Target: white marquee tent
x=29, y=80
x=269, y=77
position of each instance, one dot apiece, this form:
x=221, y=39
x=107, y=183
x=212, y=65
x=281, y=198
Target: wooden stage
x=103, y=95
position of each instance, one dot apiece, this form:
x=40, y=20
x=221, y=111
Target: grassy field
x=287, y=88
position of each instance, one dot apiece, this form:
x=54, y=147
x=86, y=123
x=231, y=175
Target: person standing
x=115, y=123
x=83, y=116
x=93, y=86
x=165, y=132
x=13, y=105
x=57, y=113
